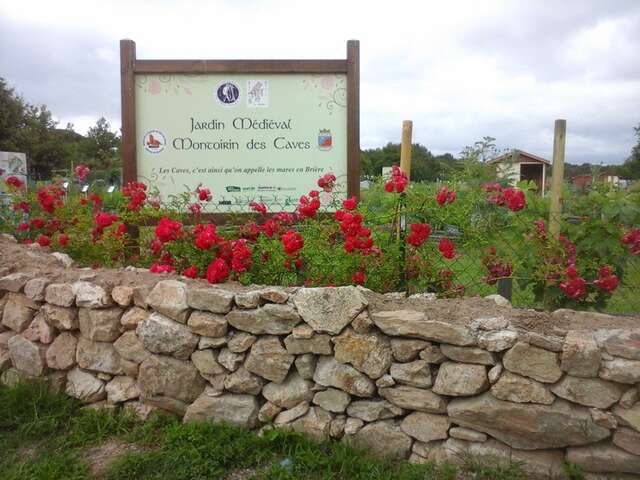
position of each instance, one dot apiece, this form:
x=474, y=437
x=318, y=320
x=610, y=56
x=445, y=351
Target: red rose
x=81, y=172
x=292, y=242
x=258, y=207
x=204, y=194
x=63, y=240
x=445, y=196
x=514, y=199
x=43, y=241
x=168, y=230
x=217, y=271
x=447, y=248
x=359, y=277
x=14, y=182
x=419, y=234
x=190, y=272
x=327, y=182
x=350, y=203
x=575, y=288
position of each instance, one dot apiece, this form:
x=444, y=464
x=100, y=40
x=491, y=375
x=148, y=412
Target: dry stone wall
x=413, y=378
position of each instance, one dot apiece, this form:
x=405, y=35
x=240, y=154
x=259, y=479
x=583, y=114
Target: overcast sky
x=459, y=69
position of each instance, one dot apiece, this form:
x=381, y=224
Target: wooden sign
x=250, y=130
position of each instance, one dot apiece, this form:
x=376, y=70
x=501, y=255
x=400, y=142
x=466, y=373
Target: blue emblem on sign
x=228, y=93
x=325, y=141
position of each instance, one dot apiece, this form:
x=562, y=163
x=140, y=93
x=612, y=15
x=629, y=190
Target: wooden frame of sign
x=130, y=66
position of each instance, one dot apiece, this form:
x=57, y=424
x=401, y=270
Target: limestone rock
x=289, y=393
x=61, y=354
x=604, y=457
x=229, y=360
x=498, y=341
x=432, y=354
x=206, y=363
x=413, y=398
x=461, y=379
x=18, y=312
x=410, y=323
x=330, y=373
x=549, y=342
x=98, y=356
x=384, y=439
x=425, y=427
x=580, y=354
x=514, y=388
x=629, y=398
x=316, y=423
x=122, y=295
x=15, y=282
x=319, y=344
x=90, y=295
x=527, y=426
x=268, y=412
x=407, y=350
x=288, y=416
x=65, y=260
x=468, y=354
x=627, y=439
x=39, y=330
x=592, y=392
x=494, y=373
x=541, y=463
x=214, y=300
x=271, y=319
x=352, y=425
x=628, y=416
x=269, y=359
x=274, y=294
x=385, y=381
x=208, y=342
x=133, y=317
x=620, y=370
x=488, y=324
x=131, y=348
x=329, y=309
x=140, y=294
x=499, y=300
x=337, y=426
x=533, y=362
x=467, y=434
x=121, y=389
x=85, y=386
x=165, y=403
x=332, y=400
x=243, y=381
x=5, y=359
x=414, y=374
x=169, y=297
x=362, y=323
x=622, y=343
x=167, y=376
x=5, y=337
x=100, y=325
x=248, y=300
x=236, y=409
x=60, y=294
x=368, y=353
x=27, y=357
x=240, y=342
x=139, y=410
x=62, y=318
x=35, y=288
x=303, y=331
x=306, y=365
x=160, y=334
x=372, y=410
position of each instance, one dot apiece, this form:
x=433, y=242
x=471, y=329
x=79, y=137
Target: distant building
x=583, y=181
x=518, y=166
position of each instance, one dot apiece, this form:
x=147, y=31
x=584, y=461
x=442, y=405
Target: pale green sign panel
x=247, y=137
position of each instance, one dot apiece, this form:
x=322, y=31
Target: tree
x=101, y=146
x=631, y=167
x=424, y=165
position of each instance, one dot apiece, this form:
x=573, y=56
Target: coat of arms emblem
x=325, y=142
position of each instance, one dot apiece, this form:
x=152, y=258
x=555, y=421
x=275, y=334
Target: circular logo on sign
x=228, y=93
x=154, y=141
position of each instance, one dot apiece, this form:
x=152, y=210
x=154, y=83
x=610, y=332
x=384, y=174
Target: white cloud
x=460, y=69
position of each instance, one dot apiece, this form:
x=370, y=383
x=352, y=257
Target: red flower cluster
x=103, y=220
x=350, y=203
x=447, y=248
x=205, y=236
x=161, y=268
x=327, y=182
x=168, y=230
x=43, y=240
x=204, y=194
x=24, y=206
x=497, y=268
x=240, y=256
x=82, y=172
x=292, y=242
x=607, y=281
x=632, y=240
x=419, y=234
x=398, y=181
x=36, y=222
x=356, y=236
x=445, y=196
x=50, y=198
x=258, y=207
x=512, y=198
x=308, y=206
x=136, y=193
x=217, y=271
x=574, y=286
x=190, y=272
x=14, y=182
x=195, y=208
x=63, y=239
x=359, y=277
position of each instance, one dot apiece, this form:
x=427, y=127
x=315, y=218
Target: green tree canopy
x=631, y=167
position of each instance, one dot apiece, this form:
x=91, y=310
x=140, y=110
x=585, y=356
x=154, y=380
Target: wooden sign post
x=555, y=208
x=251, y=130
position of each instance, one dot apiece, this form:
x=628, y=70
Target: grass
x=47, y=436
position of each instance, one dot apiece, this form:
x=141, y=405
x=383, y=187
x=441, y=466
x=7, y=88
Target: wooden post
x=353, y=118
x=555, y=208
x=405, y=148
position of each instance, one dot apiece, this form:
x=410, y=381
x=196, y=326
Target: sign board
x=12, y=164
x=250, y=130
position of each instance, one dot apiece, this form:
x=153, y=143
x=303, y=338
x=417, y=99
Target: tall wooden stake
x=555, y=209
x=405, y=148
x=405, y=165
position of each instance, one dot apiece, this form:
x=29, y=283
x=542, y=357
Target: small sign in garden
x=259, y=130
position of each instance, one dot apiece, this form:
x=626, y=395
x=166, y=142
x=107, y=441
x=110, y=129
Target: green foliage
x=631, y=167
